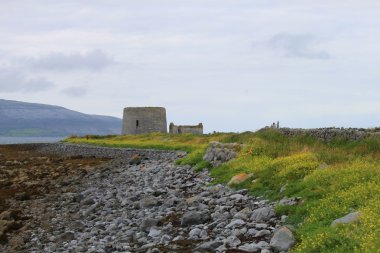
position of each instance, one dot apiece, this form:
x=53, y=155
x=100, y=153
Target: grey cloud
x=297, y=45
x=75, y=91
x=14, y=81
x=93, y=60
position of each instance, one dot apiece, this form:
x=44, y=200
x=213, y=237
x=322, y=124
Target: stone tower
x=141, y=120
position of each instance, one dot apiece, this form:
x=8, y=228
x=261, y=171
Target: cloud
x=94, y=60
x=75, y=91
x=297, y=45
x=13, y=81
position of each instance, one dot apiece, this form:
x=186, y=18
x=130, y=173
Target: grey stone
x=88, y=201
x=195, y=232
x=262, y=244
x=148, y=202
x=282, y=239
x=288, y=201
x=263, y=232
x=283, y=188
x=238, y=197
x=232, y=241
x=154, y=232
x=284, y=218
x=191, y=218
x=203, y=234
x=236, y=224
x=165, y=239
x=252, y=232
x=221, y=248
x=67, y=236
x=78, y=226
x=261, y=225
x=211, y=245
x=148, y=246
x=250, y=247
x=238, y=232
x=263, y=214
x=178, y=238
x=349, y=218
x=147, y=223
x=243, y=214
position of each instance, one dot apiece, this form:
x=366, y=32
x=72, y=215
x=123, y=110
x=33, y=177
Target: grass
x=332, y=179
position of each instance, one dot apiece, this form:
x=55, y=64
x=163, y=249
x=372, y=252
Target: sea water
x=20, y=140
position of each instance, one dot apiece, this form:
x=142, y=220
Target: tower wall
x=140, y=120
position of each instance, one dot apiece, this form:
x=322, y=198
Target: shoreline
x=78, y=198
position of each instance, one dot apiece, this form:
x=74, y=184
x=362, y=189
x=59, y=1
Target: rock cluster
x=150, y=206
x=218, y=153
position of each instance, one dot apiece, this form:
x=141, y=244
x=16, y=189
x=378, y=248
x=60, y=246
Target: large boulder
x=282, y=239
x=349, y=218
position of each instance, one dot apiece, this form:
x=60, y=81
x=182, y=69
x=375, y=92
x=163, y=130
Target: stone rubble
x=150, y=206
x=218, y=153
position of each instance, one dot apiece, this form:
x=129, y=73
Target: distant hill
x=30, y=119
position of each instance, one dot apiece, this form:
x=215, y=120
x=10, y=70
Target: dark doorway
x=137, y=123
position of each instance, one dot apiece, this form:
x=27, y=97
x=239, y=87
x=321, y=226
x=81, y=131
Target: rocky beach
x=75, y=198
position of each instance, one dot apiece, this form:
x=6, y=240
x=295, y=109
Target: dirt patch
x=173, y=218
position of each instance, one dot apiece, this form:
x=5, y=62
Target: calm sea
x=17, y=140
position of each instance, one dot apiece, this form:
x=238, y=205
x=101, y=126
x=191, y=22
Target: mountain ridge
x=33, y=119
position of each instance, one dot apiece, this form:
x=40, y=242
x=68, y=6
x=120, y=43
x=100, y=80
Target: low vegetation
x=331, y=179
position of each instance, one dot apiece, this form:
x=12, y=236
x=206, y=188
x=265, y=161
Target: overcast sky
x=234, y=65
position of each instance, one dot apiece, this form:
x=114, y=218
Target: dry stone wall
x=328, y=134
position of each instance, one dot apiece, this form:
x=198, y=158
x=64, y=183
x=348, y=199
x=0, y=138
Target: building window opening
x=137, y=123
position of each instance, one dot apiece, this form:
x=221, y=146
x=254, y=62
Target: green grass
x=332, y=179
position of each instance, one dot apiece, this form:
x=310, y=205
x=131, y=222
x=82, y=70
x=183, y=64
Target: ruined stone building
x=140, y=120
x=197, y=129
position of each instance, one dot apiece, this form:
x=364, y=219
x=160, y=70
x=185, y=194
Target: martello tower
x=140, y=120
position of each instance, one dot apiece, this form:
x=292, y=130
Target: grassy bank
x=333, y=179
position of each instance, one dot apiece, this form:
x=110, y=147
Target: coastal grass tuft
x=331, y=179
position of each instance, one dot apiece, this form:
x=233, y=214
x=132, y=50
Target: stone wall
x=327, y=134
x=197, y=129
x=140, y=120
